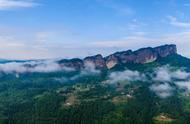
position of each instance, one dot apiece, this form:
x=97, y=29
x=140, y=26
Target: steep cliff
x=141, y=56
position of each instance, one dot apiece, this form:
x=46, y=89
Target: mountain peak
x=166, y=50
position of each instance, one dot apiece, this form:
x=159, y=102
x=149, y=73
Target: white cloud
x=160, y=83
x=162, y=90
x=175, y=22
x=179, y=74
x=184, y=85
x=167, y=74
x=12, y=67
x=162, y=74
x=10, y=4
x=88, y=70
x=127, y=75
x=32, y=66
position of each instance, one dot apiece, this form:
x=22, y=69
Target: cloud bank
x=32, y=66
x=47, y=66
x=160, y=79
x=167, y=75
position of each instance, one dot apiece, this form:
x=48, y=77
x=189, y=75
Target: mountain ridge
x=140, y=56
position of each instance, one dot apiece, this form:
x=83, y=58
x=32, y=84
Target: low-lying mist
x=161, y=80
x=31, y=66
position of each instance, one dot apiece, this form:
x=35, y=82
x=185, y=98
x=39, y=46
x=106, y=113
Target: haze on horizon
x=38, y=29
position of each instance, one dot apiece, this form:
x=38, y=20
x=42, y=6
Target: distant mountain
x=141, y=56
x=8, y=61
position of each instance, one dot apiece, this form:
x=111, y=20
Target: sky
x=39, y=29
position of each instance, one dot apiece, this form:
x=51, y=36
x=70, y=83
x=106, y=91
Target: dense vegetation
x=38, y=98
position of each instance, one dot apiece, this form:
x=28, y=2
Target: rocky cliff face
x=141, y=56
x=112, y=61
x=166, y=50
x=98, y=61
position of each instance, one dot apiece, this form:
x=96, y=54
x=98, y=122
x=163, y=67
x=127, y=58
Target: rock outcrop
x=166, y=50
x=98, y=61
x=112, y=61
x=141, y=56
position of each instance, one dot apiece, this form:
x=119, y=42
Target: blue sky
x=37, y=29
